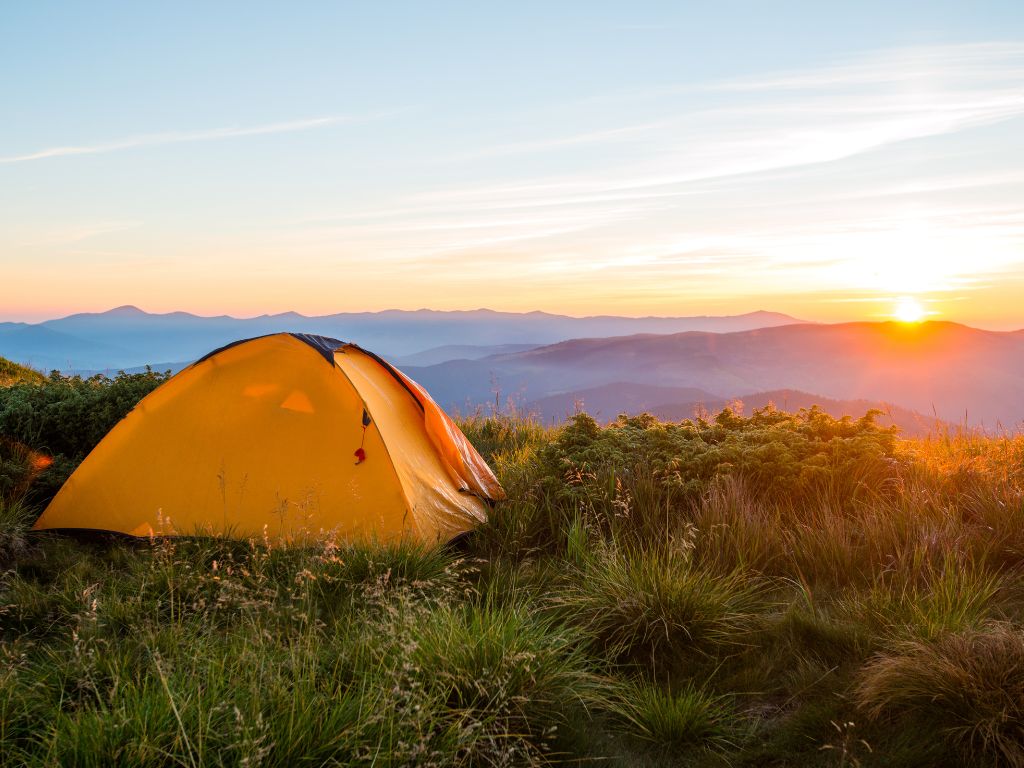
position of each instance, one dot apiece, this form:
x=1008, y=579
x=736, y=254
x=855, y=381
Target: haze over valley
x=551, y=365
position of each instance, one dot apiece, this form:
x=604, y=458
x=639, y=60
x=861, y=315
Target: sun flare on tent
x=908, y=310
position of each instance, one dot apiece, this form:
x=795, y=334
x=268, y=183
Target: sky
x=836, y=161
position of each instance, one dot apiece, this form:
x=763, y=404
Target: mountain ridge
x=129, y=337
x=946, y=367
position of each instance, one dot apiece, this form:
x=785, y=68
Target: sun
x=908, y=310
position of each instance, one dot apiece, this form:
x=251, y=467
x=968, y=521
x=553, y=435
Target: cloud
x=883, y=173
x=771, y=123
x=183, y=137
x=623, y=133
x=922, y=65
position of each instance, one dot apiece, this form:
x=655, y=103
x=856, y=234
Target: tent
x=286, y=436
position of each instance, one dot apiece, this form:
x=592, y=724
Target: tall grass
x=781, y=589
x=654, y=605
x=967, y=686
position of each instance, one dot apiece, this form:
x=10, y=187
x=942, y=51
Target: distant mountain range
x=547, y=363
x=448, y=352
x=956, y=373
x=127, y=337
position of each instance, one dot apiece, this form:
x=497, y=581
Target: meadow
x=768, y=589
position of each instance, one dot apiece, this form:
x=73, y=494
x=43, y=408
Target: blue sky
x=824, y=159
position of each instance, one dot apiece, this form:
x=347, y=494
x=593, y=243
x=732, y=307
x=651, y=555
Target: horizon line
x=136, y=308
x=795, y=320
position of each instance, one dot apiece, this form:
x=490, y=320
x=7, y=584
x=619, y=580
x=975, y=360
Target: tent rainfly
x=288, y=436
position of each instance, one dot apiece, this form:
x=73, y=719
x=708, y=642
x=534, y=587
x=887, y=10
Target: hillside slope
x=959, y=373
x=12, y=373
x=128, y=337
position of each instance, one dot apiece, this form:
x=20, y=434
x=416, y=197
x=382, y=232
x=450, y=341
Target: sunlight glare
x=908, y=310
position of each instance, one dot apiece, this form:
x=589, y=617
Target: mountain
x=607, y=401
x=958, y=373
x=45, y=348
x=472, y=358
x=448, y=352
x=128, y=337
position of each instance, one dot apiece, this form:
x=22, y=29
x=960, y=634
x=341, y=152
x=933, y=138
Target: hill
x=12, y=373
x=607, y=401
x=770, y=590
x=48, y=349
x=960, y=374
x=128, y=337
x=448, y=352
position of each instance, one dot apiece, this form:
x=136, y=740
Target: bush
x=64, y=417
x=629, y=476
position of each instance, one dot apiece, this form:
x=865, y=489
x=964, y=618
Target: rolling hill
x=127, y=337
x=957, y=373
x=467, y=359
x=46, y=348
x=12, y=373
x=448, y=352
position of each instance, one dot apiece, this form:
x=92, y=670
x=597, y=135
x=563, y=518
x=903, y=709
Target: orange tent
x=288, y=435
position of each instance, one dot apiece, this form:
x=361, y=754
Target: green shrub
x=777, y=454
x=65, y=417
x=638, y=477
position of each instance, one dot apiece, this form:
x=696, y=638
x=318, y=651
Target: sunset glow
x=356, y=170
x=909, y=310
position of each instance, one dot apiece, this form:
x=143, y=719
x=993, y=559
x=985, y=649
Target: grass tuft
x=966, y=686
x=678, y=723
x=656, y=605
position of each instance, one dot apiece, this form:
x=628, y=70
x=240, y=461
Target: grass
x=968, y=684
x=675, y=723
x=777, y=590
x=13, y=373
x=653, y=606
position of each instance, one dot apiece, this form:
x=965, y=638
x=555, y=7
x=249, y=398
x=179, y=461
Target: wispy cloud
x=623, y=133
x=924, y=66
x=183, y=137
x=772, y=123
x=893, y=172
